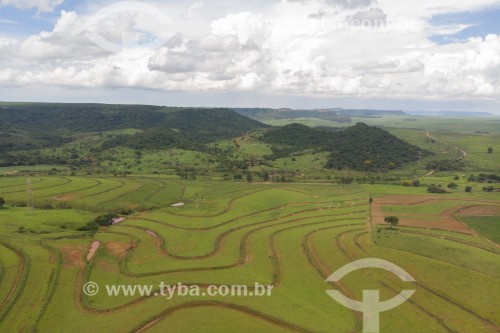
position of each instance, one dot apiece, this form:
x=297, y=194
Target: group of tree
x=485, y=178
x=491, y=189
x=414, y=183
x=103, y=220
x=360, y=147
x=446, y=165
x=433, y=188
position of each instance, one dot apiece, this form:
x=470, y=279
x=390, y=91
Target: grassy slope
x=292, y=235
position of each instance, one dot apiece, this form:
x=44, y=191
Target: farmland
x=290, y=236
x=126, y=203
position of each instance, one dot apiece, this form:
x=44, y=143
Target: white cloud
x=281, y=50
x=39, y=5
x=6, y=21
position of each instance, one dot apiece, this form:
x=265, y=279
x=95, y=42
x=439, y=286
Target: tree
x=392, y=220
x=468, y=189
x=452, y=185
x=490, y=150
x=435, y=189
x=2, y=202
x=416, y=183
x=249, y=177
x=105, y=219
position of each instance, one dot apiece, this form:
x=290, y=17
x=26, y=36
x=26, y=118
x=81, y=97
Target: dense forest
x=358, y=147
x=83, y=134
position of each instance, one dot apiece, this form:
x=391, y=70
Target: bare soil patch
x=73, y=256
x=480, y=211
x=443, y=221
x=118, y=249
x=93, y=248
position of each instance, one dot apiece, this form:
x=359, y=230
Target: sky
x=426, y=55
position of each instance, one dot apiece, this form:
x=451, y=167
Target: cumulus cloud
x=373, y=17
x=282, y=51
x=39, y=5
x=214, y=57
x=66, y=41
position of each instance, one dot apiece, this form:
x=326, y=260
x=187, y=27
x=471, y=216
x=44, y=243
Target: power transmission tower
x=420, y=157
x=30, y=206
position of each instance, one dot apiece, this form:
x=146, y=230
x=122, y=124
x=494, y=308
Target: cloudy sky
x=385, y=54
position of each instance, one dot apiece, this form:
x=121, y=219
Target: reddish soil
x=443, y=221
x=67, y=197
x=95, y=245
x=118, y=249
x=480, y=211
x=73, y=256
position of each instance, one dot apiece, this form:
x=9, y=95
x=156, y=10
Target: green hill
x=360, y=147
x=74, y=134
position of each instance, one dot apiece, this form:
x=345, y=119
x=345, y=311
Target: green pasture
x=290, y=236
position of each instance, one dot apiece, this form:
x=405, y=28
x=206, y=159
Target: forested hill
x=35, y=117
x=360, y=147
x=73, y=130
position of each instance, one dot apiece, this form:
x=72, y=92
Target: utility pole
x=420, y=156
x=30, y=206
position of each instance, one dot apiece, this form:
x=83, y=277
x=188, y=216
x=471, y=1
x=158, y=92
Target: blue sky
x=426, y=55
x=483, y=23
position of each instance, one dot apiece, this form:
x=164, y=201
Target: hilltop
x=360, y=147
x=106, y=138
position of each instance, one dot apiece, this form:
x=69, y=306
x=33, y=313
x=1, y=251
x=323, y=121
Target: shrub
x=105, y=219
x=435, y=189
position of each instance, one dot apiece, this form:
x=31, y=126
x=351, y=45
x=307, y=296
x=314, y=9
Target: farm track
x=236, y=246
x=174, y=226
x=24, y=185
x=120, y=182
x=126, y=193
x=163, y=185
x=98, y=182
x=52, y=285
x=339, y=239
x=244, y=246
x=243, y=258
x=239, y=308
x=236, y=218
x=444, y=220
x=84, y=273
x=67, y=181
x=220, y=237
x=430, y=290
x=324, y=272
x=225, y=210
x=20, y=279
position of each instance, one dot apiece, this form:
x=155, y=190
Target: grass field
x=288, y=236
